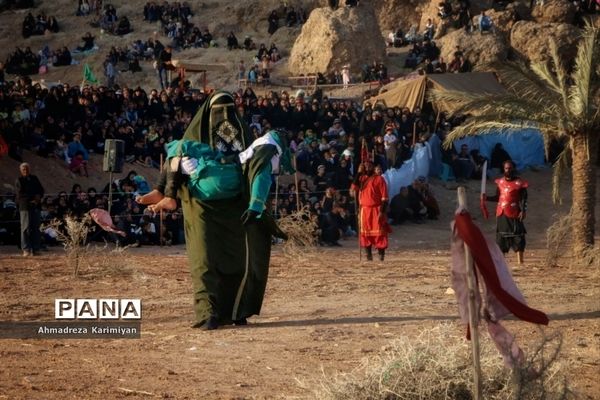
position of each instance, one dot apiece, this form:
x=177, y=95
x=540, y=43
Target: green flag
x=88, y=75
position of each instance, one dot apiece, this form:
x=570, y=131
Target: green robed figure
x=223, y=182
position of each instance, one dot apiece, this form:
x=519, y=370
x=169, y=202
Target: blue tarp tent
x=526, y=147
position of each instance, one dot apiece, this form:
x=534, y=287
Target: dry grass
x=301, y=227
x=436, y=365
x=107, y=261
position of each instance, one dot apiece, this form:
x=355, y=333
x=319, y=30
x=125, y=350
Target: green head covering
x=217, y=124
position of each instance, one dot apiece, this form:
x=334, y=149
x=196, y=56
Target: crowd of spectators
x=40, y=25
x=326, y=135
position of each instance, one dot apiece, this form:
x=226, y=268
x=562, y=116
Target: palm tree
x=562, y=105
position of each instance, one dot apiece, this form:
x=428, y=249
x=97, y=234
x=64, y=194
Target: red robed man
x=373, y=201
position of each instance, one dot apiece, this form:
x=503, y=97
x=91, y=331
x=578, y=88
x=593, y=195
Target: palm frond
x=543, y=71
x=501, y=107
x=518, y=79
x=561, y=74
x=582, y=91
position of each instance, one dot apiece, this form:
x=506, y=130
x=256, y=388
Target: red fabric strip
x=473, y=237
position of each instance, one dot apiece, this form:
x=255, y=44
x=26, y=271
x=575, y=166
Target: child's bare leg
x=150, y=198
x=167, y=203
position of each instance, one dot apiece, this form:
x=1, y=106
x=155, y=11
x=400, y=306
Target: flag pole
x=473, y=310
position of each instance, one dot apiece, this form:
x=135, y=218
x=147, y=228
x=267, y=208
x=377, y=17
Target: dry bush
x=72, y=233
x=558, y=237
x=301, y=228
x=558, y=242
x=436, y=365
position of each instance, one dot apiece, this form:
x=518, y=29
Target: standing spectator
x=273, y=22
x=163, y=65
x=110, y=72
x=371, y=189
x=29, y=199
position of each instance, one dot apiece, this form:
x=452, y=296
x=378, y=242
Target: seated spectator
x=52, y=25
x=28, y=26
x=232, y=42
x=406, y=206
x=88, y=42
x=484, y=23
x=463, y=165
x=291, y=18
x=274, y=53
x=249, y=44
x=123, y=26
x=83, y=8
x=62, y=57
x=499, y=156
x=429, y=30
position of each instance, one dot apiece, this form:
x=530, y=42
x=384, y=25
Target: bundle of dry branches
x=301, y=227
x=558, y=241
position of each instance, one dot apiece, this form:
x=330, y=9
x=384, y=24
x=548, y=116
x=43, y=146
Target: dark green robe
x=228, y=262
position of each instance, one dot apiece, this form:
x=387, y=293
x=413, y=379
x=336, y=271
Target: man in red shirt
x=372, y=199
x=511, y=195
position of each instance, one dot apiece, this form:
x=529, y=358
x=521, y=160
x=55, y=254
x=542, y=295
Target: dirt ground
x=323, y=313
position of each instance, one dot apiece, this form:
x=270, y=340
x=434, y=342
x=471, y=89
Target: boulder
x=558, y=11
x=531, y=40
x=332, y=38
x=480, y=49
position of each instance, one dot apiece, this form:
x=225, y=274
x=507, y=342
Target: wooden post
x=296, y=183
x=437, y=119
x=160, y=217
x=473, y=310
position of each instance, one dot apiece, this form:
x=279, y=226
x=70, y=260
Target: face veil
x=218, y=124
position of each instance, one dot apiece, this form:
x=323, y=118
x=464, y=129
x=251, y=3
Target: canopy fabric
x=411, y=93
x=405, y=93
x=472, y=82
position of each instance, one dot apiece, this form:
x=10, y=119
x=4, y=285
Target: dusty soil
x=325, y=312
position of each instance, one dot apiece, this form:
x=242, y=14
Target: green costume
x=228, y=260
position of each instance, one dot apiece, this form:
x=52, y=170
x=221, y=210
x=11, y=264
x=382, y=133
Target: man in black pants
x=29, y=200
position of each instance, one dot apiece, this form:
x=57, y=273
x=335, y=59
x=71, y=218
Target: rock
x=332, y=38
x=531, y=40
x=480, y=49
x=558, y=11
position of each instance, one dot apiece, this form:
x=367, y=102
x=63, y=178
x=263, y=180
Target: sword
x=482, y=200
